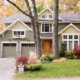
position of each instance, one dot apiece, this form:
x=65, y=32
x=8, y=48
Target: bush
x=48, y=58
x=32, y=60
x=62, y=51
x=21, y=59
x=71, y=55
x=77, y=50
x=34, y=67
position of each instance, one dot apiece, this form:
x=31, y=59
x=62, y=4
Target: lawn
x=69, y=68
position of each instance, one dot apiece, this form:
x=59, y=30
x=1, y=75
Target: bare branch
x=19, y=9
x=28, y=5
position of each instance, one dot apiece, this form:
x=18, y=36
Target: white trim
x=61, y=19
x=44, y=11
x=15, y=23
x=67, y=27
x=67, y=40
x=49, y=27
x=28, y=42
x=9, y=42
x=19, y=36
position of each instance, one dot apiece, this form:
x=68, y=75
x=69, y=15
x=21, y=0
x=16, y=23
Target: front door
x=47, y=46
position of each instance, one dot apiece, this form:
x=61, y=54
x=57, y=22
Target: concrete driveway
x=6, y=68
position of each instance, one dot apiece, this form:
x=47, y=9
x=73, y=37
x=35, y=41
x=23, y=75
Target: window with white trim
x=70, y=41
x=18, y=34
x=46, y=28
x=47, y=16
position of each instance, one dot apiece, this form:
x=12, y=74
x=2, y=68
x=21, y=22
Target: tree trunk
x=38, y=42
x=55, y=30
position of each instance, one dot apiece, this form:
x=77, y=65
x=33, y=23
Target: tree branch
x=27, y=4
x=19, y=9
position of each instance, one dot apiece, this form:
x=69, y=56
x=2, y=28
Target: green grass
x=69, y=68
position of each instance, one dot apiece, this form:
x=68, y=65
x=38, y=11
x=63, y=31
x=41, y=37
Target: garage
x=27, y=47
x=9, y=49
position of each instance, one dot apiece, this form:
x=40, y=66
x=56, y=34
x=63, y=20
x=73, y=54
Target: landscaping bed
x=68, y=68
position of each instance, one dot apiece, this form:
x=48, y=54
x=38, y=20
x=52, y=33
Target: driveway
x=6, y=68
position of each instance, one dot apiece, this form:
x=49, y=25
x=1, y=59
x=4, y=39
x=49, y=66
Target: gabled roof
x=12, y=18
x=13, y=24
x=68, y=27
x=44, y=11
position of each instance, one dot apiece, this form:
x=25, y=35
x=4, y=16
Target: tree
x=34, y=20
x=55, y=30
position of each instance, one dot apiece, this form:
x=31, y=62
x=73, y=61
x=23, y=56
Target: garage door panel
x=9, y=49
x=26, y=48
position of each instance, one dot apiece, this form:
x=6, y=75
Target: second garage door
x=27, y=47
x=9, y=49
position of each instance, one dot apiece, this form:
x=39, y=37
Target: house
x=17, y=37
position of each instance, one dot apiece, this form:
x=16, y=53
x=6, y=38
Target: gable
x=18, y=25
x=44, y=12
x=70, y=29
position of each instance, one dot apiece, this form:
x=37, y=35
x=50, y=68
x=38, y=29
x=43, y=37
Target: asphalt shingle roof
x=67, y=17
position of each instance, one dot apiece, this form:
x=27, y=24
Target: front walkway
x=6, y=68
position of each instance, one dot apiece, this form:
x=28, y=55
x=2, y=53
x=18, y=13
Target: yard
x=69, y=68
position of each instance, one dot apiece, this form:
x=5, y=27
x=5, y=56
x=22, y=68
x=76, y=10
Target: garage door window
x=28, y=45
x=11, y=45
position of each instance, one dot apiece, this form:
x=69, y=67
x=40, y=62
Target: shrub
x=71, y=55
x=48, y=58
x=77, y=50
x=21, y=59
x=32, y=60
x=34, y=67
x=62, y=51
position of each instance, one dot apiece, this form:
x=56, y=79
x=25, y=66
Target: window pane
x=18, y=32
x=75, y=43
x=15, y=32
x=46, y=27
x=65, y=37
x=50, y=16
x=70, y=45
x=75, y=36
x=65, y=45
x=22, y=32
x=70, y=37
x=50, y=27
x=43, y=28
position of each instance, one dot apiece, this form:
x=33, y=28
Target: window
x=46, y=28
x=46, y=16
x=18, y=34
x=70, y=41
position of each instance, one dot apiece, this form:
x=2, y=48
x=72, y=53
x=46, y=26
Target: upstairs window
x=47, y=16
x=46, y=28
x=18, y=34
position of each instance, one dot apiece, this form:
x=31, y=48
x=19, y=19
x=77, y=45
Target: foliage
x=21, y=59
x=69, y=68
x=32, y=60
x=47, y=58
x=71, y=55
x=34, y=67
x=77, y=49
x=62, y=51
x=40, y=8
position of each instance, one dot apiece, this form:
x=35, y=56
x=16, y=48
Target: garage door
x=9, y=49
x=26, y=48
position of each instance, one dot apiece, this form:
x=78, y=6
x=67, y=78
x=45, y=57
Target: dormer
x=45, y=14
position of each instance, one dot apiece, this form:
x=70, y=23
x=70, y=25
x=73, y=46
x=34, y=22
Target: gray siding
x=8, y=37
